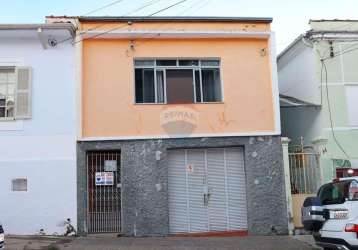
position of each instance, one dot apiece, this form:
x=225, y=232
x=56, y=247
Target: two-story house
x=318, y=70
x=180, y=126
x=37, y=128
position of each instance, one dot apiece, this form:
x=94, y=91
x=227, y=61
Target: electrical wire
x=191, y=6
x=127, y=13
x=198, y=5
x=121, y=26
x=149, y=3
x=173, y=5
x=151, y=37
x=324, y=67
x=103, y=7
x=347, y=50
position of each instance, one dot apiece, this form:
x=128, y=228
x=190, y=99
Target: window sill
x=171, y=104
x=2, y=119
x=10, y=124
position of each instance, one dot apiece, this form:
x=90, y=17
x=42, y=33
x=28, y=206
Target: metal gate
x=305, y=178
x=305, y=174
x=104, y=192
x=207, y=190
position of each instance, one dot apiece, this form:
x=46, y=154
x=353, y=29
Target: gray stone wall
x=145, y=209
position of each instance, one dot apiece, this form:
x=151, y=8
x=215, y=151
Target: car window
x=334, y=193
x=353, y=191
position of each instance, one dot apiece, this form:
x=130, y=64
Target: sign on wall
x=104, y=178
x=110, y=165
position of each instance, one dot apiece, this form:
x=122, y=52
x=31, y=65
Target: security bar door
x=104, y=192
x=207, y=190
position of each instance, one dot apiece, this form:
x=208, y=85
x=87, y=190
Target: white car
x=333, y=214
x=2, y=237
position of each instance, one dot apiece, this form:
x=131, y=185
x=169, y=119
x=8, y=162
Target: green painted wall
x=342, y=71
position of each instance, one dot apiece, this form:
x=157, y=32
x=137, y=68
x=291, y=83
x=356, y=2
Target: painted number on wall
x=190, y=168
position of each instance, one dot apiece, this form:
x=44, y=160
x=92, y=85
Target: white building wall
x=297, y=74
x=300, y=122
x=43, y=148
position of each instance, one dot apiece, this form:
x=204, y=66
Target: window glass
x=144, y=62
x=352, y=103
x=188, y=63
x=166, y=81
x=144, y=86
x=334, y=193
x=7, y=92
x=197, y=86
x=353, y=191
x=180, y=86
x=211, y=85
x=160, y=86
x=166, y=62
x=211, y=63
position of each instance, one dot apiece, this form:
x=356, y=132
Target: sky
x=290, y=17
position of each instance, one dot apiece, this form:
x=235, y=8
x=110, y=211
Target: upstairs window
x=7, y=92
x=176, y=81
x=15, y=94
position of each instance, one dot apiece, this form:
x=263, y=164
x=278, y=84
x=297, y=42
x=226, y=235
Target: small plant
x=70, y=230
x=53, y=246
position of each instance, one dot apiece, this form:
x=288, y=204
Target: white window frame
x=164, y=68
x=15, y=94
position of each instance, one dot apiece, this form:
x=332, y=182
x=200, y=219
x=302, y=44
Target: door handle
x=206, y=200
x=207, y=195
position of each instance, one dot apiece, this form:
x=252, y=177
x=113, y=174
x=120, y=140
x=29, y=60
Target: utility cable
x=149, y=3
x=103, y=7
x=149, y=38
x=121, y=26
x=324, y=67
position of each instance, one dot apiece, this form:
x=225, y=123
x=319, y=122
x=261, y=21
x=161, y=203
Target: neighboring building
x=305, y=81
x=37, y=128
x=180, y=126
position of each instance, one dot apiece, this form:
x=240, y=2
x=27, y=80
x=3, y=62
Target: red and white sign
x=104, y=179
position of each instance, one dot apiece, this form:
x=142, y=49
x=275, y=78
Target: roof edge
x=332, y=20
x=291, y=45
x=296, y=102
x=169, y=18
x=49, y=26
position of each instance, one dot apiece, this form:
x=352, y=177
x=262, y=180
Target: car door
x=335, y=198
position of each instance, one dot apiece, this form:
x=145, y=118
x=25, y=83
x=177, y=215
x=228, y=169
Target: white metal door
x=207, y=190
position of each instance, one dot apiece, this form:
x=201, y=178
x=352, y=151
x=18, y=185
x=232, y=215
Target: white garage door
x=207, y=190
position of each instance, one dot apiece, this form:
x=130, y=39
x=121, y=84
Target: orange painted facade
x=108, y=105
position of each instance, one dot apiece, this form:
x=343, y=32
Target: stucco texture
x=145, y=210
x=108, y=87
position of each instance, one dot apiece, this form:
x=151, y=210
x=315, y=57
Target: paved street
x=160, y=243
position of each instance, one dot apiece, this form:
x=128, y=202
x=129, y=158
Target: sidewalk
x=158, y=243
x=34, y=242
x=307, y=239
